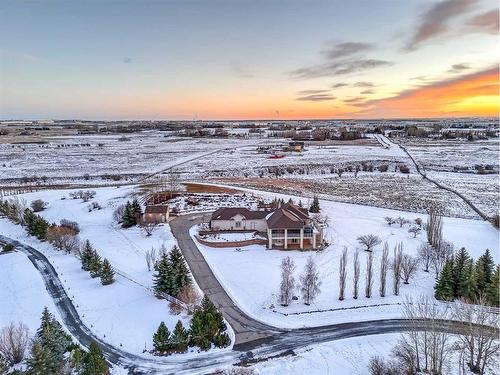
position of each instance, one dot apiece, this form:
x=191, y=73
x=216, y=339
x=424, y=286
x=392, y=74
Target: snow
x=22, y=292
x=126, y=313
x=252, y=277
x=230, y=237
x=346, y=357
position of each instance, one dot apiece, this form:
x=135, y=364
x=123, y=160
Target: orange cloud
x=468, y=95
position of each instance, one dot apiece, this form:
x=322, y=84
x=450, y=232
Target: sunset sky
x=248, y=59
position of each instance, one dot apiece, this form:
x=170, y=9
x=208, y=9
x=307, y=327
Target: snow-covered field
x=22, y=292
x=252, y=276
x=126, y=313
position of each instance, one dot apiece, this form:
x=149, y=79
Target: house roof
x=156, y=210
x=227, y=213
x=288, y=216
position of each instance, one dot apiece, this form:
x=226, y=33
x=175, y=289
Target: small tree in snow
x=396, y=268
x=409, y=266
x=342, y=274
x=401, y=221
x=369, y=241
x=390, y=220
x=287, y=284
x=415, y=231
x=369, y=275
x=148, y=227
x=384, y=266
x=309, y=282
x=356, y=273
x=315, y=205
x=425, y=253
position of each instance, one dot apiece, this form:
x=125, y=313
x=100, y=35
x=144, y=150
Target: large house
x=286, y=227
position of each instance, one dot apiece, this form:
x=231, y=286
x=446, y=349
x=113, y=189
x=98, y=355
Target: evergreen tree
x=315, y=205
x=180, y=276
x=461, y=260
x=128, y=219
x=41, y=360
x=161, y=339
x=86, y=255
x=444, y=285
x=468, y=288
x=35, y=224
x=94, y=363
x=207, y=324
x=106, y=273
x=494, y=289
x=484, y=271
x=136, y=209
x=180, y=338
x=163, y=277
x=95, y=265
x=53, y=341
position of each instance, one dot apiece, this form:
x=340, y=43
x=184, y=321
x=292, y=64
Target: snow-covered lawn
x=252, y=276
x=22, y=292
x=343, y=357
x=126, y=313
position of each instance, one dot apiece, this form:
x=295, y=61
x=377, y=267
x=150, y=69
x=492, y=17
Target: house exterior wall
x=156, y=217
x=259, y=225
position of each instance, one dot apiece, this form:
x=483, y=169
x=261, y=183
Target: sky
x=236, y=59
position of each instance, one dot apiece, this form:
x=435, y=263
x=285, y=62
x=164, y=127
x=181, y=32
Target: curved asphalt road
x=254, y=340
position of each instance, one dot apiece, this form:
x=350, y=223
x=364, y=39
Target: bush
x=8, y=247
x=222, y=340
x=72, y=225
x=38, y=205
x=403, y=168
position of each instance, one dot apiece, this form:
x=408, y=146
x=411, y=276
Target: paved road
x=254, y=340
x=421, y=171
x=245, y=328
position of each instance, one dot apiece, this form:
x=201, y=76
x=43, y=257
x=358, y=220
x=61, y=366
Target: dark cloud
x=337, y=68
x=487, y=22
x=434, y=21
x=357, y=99
x=316, y=97
x=340, y=84
x=127, y=60
x=364, y=84
x=341, y=50
x=456, y=68
x=369, y=91
x=309, y=92
x=240, y=71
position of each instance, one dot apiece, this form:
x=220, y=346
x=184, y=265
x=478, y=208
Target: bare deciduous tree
x=369, y=241
x=148, y=227
x=14, y=340
x=369, y=275
x=287, y=284
x=401, y=221
x=396, y=268
x=434, y=227
x=189, y=296
x=342, y=274
x=440, y=255
x=431, y=345
x=478, y=343
x=409, y=266
x=389, y=220
x=118, y=213
x=425, y=254
x=151, y=258
x=173, y=181
x=384, y=266
x=356, y=273
x=310, y=282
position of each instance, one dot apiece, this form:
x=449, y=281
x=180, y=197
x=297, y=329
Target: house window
x=237, y=224
x=295, y=240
